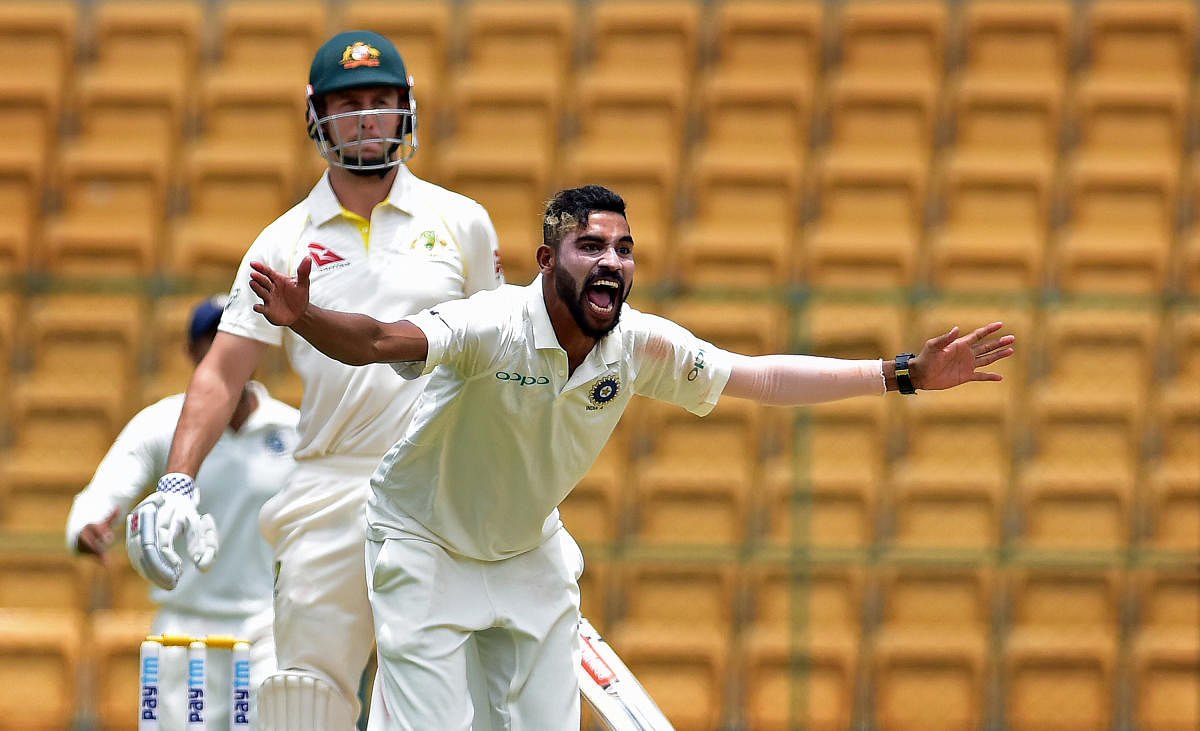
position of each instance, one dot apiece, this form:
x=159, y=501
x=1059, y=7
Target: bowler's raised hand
x=284, y=298
x=949, y=360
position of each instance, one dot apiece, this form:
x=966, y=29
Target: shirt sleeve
x=447, y=333
x=481, y=254
x=675, y=366
x=128, y=471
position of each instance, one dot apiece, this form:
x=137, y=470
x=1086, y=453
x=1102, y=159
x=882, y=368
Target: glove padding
x=153, y=526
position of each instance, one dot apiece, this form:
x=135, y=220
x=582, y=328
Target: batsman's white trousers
x=173, y=668
x=522, y=612
x=317, y=528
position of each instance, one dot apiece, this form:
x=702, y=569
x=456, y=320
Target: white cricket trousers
x=256, y=629
x=523, y=613
x=317, y=527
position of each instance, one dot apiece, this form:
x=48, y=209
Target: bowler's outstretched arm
x=350, y=338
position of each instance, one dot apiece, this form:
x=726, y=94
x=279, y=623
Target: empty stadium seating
x=843, y=178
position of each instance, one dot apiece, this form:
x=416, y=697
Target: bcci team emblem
x=603, y=391
x=360, y=54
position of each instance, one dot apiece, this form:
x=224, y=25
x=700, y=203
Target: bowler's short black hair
x=569, y=209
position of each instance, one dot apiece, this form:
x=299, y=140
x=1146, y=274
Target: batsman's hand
x=153, y=526
x=284, y=298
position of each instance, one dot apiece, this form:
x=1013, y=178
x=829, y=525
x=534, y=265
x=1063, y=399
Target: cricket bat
x=618, y=699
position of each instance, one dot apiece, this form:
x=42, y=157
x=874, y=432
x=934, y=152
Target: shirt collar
x=608, y=348
x=323, y=205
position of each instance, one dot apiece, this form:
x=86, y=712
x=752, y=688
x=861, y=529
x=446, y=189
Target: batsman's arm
x=212, y=395
x=351, y=338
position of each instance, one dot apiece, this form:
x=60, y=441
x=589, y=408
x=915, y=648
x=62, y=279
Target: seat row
x=494, y=133
x=909, y=645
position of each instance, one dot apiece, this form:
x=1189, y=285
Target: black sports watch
x=903, y=379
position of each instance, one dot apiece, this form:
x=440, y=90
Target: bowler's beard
x=572, y=295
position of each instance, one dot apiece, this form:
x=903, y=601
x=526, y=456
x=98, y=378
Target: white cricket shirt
x=244, y=469
x=425, y=245
x=501, y=434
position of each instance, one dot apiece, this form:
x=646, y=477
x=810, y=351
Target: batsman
x=525, y=385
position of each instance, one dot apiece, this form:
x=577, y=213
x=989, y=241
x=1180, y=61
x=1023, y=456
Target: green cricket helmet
x=356, y=59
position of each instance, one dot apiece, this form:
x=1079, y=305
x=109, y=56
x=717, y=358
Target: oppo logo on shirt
x=521, y=380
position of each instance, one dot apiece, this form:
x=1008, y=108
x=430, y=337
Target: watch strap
x=903, y=377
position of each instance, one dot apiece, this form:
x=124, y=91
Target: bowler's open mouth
x=602, y=294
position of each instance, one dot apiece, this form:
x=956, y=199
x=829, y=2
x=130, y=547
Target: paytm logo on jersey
x=522, y=380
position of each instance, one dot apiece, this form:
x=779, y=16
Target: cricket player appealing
x=525, y=386
x=250, y=461
x=376, y=240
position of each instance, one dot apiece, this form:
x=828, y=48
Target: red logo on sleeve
x=322, y=255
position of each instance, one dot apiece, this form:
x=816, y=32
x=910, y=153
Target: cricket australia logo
x=429, y=241
x=604, y=390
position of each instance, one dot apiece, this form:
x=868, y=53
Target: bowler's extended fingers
x=985, y=348
x=986, y=376
x=978, y=334
x=941, y=341
x=989, y=358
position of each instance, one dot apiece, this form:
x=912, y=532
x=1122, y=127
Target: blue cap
x=205, y=317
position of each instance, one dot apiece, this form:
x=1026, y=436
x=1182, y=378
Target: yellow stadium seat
x=1001, y=126
x=824, y=490
x=20, y=195
x=147, y=55
x=595, y=589
x=766, y=43
x=39, y=665
x=648, y=51
x=695, y=485
x=1060, y=656
x=116, y=639
x=647, y=47
x=40, y=40
x=805, y=681
x=1119, y=235
x=513, y=79
x=930, y=679
x=904, y=41
x=1021, y=44
x=533, y=39
x=1144, y=42
x=1173, y=490
x=39, y=579
x=801, y=644
x=996, y=225
x=111, y=222
x=1168, y=598
x=757, y=104
x=1166, y=678
x=265, y=44
x=741, y=236
x=684, y=671
x=867, y=233
x=742, y=326
x=230, y=203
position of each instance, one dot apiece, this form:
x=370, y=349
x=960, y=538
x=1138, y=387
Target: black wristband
x=903, y=379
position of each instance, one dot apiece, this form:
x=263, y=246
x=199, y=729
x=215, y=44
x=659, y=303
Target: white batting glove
x=153, y=526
